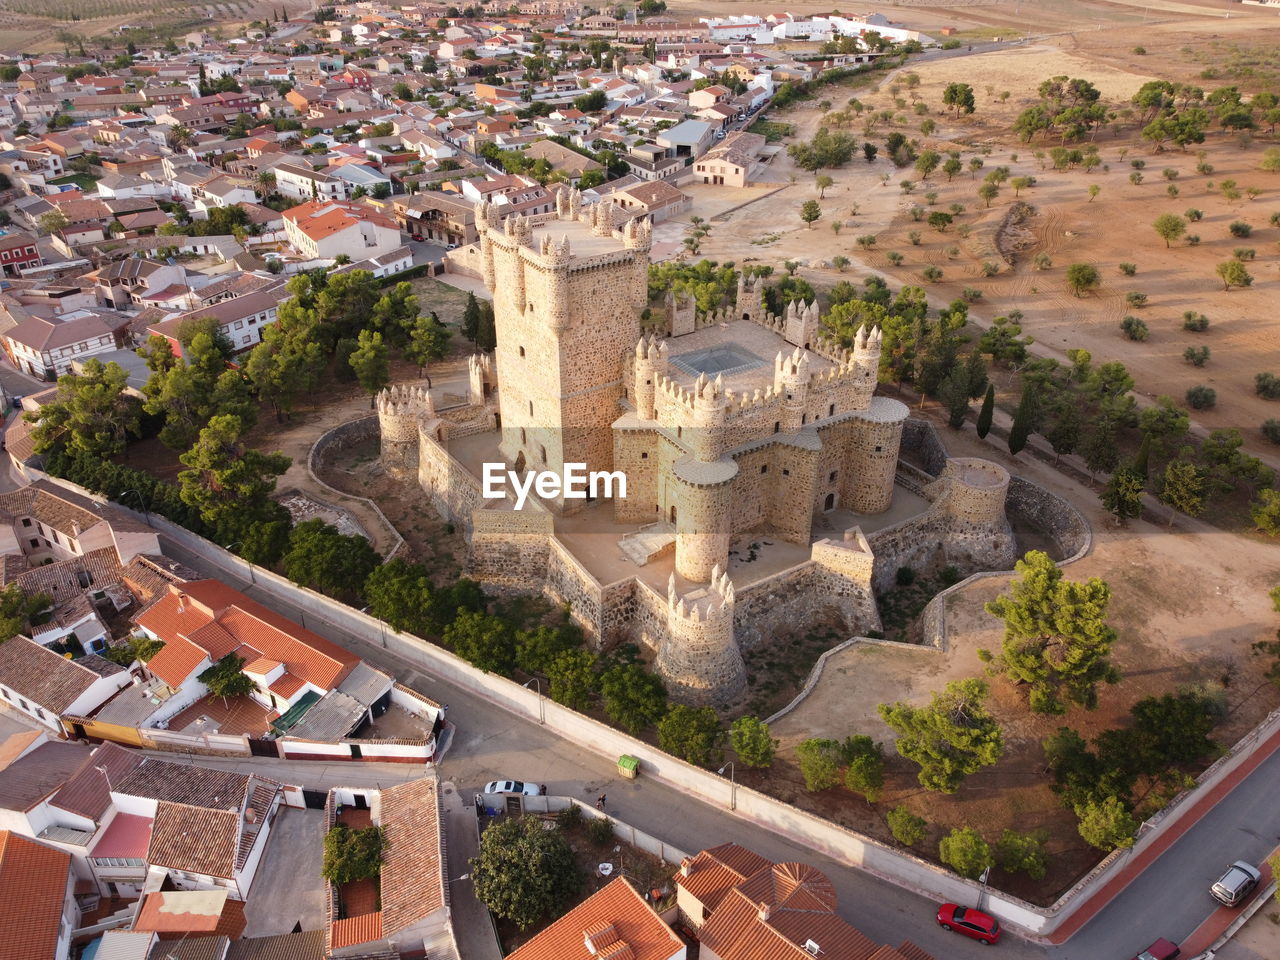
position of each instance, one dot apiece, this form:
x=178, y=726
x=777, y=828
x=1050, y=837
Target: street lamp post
x=542, y=709
x=141, y=503
x=733, y=784
x=230, y=548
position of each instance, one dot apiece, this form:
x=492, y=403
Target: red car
x=972, y=923
x=416, y=237
x=1162, y=949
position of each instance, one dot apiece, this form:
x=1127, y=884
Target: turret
x=650, y=364
x=481, y=378
x=791, y=379
x=711, y=403
x=866, y=361
x=801, y=324
x=682, y=310
x=400, y=408
x=699, y=659
x=747, y=305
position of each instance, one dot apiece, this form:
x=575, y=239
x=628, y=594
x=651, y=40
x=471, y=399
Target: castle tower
x=801, y=324
x=748, y=306
x=480, y=378
x=791, y=379
x=682, y=310
x=872, y=458
x=400, y=408
x=650, y=364
x=702, y=501
x=699, y=660
x=866, y=359
x=567, y=291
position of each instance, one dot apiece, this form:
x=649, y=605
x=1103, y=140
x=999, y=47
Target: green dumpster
x=628, y=766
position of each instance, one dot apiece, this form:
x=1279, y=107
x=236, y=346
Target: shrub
x=1271, y=430
x=894, y=257
x=971, y=294
x=1042, y=261
x=914, y=237
x=905, y=576
x=1135, y=299
x=1135, y=178
x=1244, y=253
x=989, y=269
x=1201, y=397
x=931, y=274
x=570, y=816
x=1193, y=214
x=964, y=850
x=1128, y=269
x=1195, y=322
x=1267, y=386
x=906, y=827
x=1240, y=229
x=1196, y=356
x=1193, y=239
x=1140, y=51
x=600, y=831
x=1135, y=329
x=820, y=763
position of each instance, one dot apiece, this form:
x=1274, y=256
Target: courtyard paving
x=288, y=889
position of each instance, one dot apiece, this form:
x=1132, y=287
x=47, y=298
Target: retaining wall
x=345, y=435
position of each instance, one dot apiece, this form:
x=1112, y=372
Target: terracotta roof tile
x=87, y=792
x=185, y=784
x=715, y=871
x=349, y=931
x=412, y=881
x=175, y=912
x=308, y=945
x=618, y=923
x=195, y=839
x=46, y=678
x=35, y=877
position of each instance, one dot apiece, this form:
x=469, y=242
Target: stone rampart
x=510, y=548
x=921, y=442
x=453, y=491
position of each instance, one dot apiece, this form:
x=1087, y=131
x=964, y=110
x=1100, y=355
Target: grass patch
x=85, y=181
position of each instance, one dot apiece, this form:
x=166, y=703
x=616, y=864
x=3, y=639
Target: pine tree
x=1064, y=435
x=1023, y=419
x=471, y=318
x=987, y=411
x=1122, y=496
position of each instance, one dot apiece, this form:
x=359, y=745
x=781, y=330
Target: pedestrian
x=542, y=790
x=600, y=802
x=444, y=708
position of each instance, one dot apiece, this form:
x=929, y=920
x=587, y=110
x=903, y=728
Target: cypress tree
x=1142, y=460
x=988, y=409
x=1023, y=420
x=471, y=318
x=487, y=335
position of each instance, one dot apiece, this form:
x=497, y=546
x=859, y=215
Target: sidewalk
x=472, y=928
x=1118, y=881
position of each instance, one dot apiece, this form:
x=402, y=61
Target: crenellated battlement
x=699, y=659
x=404, y=400
x=706, y=604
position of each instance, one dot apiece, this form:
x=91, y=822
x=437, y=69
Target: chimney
x=765, y=910
x=686, y=866
x=182, y=603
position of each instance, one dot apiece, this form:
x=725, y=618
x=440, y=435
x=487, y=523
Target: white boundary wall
x=840, y=844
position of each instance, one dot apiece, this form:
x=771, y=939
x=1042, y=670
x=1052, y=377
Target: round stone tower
x=699, y=660
x=866, y=360
x=702, y=504
x=399, y=410
x=873, y=455
x=978, y=491
x=791, y=379
x=650, y=365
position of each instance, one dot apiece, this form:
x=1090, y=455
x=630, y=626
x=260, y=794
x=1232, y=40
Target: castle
x=743, y=438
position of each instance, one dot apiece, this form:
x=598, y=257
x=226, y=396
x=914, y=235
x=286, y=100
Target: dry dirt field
x=1186, y=607
x=1244, y=332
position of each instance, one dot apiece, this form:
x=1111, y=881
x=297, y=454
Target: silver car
x=1236, y=884
x=511, y=786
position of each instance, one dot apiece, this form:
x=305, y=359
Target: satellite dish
x=605, y=869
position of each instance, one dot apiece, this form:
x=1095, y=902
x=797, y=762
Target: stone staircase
x=648, y=542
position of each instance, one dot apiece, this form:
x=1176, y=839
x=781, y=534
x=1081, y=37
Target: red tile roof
x=209, y=617
x=412, y=879
x=128, y=835
x=174, y=913
x=349, y=931
x=617, y=922
x=33, y=887
x=715, y=871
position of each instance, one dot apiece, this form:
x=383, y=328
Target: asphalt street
x=1169, y=899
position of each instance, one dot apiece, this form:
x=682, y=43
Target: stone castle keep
x=744, y=439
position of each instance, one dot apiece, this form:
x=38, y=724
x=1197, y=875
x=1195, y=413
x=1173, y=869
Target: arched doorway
x=673, y=513
x=830, y=502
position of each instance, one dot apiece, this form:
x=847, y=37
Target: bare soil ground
x=866, y=199
x=1186, y=607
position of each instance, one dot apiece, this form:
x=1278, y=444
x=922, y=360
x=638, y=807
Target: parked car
x=972, y=923
x=415, y=237
x=1162, y=949
x=1236, y=884
x=511, y=786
